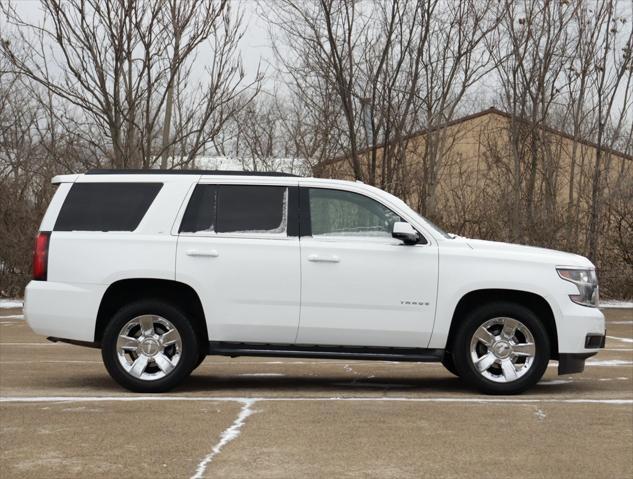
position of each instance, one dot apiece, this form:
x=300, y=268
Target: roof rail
x=186, y=172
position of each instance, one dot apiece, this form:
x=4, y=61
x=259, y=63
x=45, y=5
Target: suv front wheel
x=501, y=348
x=149, y=346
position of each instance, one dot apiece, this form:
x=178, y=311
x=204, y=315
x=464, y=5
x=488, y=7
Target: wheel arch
x=536, y=303
x=124, y=291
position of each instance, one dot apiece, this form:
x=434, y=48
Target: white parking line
x=11, y=303
x=227, y=436
x=589, y=362
x=52, y=361
x=473, y=400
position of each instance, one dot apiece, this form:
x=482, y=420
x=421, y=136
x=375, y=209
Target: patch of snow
x=555, y=382
x=81, y=409
x=540, y=415
x=13, y=316
x=262, y=374
x=608, y=362
x=11, y=303
x=286, y=165
x=624, y=321
x=227, y=436
x=623, y=340
x=614, y=303
x=364, y=384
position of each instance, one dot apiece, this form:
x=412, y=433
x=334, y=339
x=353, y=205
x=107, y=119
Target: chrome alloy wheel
x=502, y=349
x=149, y=347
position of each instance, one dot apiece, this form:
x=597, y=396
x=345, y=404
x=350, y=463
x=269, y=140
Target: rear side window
x=237, y=209
x=251, y=209
x=106, y=206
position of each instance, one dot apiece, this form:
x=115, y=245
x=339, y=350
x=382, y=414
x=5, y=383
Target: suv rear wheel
x=149, y=346
x=501, y=348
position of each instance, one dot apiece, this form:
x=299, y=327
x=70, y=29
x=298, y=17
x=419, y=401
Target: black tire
x=188, y=356
x=449, y=363
x=461, y=348
x=202, y=355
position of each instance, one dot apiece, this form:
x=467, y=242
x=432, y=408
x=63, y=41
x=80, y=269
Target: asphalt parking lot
x=62, y=416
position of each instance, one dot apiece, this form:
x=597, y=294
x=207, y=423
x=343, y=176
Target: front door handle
x=315, y=258
x=208, y=253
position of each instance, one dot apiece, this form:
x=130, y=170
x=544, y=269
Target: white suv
x=159, y=269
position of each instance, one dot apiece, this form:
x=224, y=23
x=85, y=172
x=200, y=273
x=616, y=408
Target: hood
x=557, y=258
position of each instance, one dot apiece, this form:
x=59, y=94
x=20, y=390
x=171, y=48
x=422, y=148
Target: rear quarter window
x=106, y=206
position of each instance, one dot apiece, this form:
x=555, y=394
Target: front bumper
x=581, y=334
x=575, y=325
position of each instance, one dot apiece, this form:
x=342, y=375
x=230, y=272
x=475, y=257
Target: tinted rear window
x=106, y=206
x=251, y=209
x=246, y=209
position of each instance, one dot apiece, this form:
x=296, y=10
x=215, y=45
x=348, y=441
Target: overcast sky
x=256, y=48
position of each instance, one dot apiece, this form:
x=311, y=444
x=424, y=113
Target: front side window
x=343, y=213
x=237, y=209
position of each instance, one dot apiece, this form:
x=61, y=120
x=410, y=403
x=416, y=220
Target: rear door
x=238, y=247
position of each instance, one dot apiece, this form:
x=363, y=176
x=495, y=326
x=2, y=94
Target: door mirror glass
x=404, y=232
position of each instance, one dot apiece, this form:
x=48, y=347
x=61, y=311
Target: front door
x=238, y=247
x=359, y=286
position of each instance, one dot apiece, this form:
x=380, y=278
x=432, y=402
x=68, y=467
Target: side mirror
x=405, y=233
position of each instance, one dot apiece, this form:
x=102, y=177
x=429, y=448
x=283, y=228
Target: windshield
x=432, y=225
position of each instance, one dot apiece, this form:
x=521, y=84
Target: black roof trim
x=186, y=172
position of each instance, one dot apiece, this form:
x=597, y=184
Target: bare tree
x=392, y=68
x=614, y=72
x=531, y=57
x=123, y=63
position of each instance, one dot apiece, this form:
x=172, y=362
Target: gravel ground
x=62, y=416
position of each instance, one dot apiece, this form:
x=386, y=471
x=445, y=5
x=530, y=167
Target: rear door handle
x=315, y=258
x=208, y=253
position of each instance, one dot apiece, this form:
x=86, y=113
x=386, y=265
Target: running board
x=86, y=344
x=234, y=350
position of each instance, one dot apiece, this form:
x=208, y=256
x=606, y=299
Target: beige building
x=489, y=175
x=451, y=170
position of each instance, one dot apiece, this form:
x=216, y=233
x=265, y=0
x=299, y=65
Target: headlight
x=587, y=283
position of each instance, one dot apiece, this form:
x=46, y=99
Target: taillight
x=40, y=256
